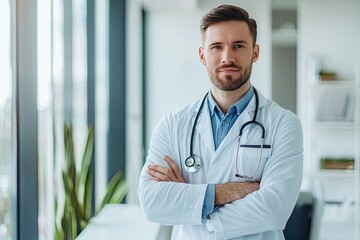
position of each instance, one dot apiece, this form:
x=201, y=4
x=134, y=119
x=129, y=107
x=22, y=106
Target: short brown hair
x=227, y=13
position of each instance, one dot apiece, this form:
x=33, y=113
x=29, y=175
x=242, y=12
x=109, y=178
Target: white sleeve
x=269, y=208
x=168, y=202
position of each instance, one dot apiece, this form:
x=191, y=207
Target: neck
x=225, y=99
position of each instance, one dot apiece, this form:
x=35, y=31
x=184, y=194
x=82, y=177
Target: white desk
x=120, y=221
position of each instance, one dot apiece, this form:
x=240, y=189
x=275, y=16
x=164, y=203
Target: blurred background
x=117, y=66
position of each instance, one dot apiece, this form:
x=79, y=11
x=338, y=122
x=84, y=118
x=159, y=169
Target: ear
x=256, y=53
x=201, y=55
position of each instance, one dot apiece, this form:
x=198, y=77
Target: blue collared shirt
x=221, y=124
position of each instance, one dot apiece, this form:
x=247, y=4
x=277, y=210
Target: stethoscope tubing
x=253, y=121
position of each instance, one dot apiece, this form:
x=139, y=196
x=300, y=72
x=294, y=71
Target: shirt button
x=224, y=122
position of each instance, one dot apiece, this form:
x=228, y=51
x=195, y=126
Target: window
x=7, y=168
x=55, y=83
x=62, y=95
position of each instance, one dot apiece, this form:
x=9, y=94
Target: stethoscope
x=193, y=163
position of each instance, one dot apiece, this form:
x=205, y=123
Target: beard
x=228, y=82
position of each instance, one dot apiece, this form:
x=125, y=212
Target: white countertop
x=120, y=221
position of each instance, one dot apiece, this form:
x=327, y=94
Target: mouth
x=229, y=70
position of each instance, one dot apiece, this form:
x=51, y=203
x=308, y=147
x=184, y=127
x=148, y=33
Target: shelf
x=342, y=213
x=334, y=85
x=334, y=104
x=336, y=173
x=334, y=125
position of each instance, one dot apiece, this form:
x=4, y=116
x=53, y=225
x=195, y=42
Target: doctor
x=228, y=166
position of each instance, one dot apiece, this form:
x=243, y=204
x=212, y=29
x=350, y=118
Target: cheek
x=212, y=56
x=245, y=59
x=211, y=60
x=211, y=66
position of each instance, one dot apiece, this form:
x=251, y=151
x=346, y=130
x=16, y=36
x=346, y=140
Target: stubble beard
x=230, y=84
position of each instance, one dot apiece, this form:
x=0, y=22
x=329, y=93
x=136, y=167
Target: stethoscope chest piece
x=192, y=164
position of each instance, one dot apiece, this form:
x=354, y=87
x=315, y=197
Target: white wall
x=175, y=75
x=331, y=29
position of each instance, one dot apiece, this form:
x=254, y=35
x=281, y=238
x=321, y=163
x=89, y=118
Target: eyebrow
x=219, y=43
x=215, y=43
x=241, y=41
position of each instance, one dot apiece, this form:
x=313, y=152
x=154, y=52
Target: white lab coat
x=261, y=214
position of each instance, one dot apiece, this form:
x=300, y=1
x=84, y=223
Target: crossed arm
x=224, y=193
x=165, y=198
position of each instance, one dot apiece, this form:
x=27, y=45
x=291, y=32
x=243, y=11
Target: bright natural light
x=44, y=53
x=44, y=104
x=6, y=84
x=5, y=67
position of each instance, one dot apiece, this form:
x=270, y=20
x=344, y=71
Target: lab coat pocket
x=250, y=162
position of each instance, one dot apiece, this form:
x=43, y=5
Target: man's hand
x=224, y=193
x=163, y=174
x=231, y=191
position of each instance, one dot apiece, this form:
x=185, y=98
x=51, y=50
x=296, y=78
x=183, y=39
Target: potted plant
x=73, y=213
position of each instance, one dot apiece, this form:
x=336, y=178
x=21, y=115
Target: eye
x=216, y=47
x=236, y=46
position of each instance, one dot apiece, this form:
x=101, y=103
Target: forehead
x=227, y=31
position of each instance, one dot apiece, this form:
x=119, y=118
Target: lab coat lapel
x=204, y=128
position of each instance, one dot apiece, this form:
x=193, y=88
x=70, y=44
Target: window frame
x=26, y=126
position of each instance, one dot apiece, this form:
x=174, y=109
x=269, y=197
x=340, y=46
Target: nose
x=227, y=56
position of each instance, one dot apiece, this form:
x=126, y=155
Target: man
x=230, y=166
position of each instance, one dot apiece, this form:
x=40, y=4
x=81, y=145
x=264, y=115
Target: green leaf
x=68, y=184
x=85, y=168
x=116, y=185
x=119, y=193
x=87, y=198
x=78, y=189
x=67, y=224
x=69, y=152
x=74, y=224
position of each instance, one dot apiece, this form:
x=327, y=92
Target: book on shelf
x=327, y=76
x=335, y=106
x=340, y=163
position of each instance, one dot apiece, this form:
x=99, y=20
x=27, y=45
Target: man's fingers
x=158, y=176
x=167, y=173
x=161, y=169
x=171, y=173
x=173, y=166
x=155, y=179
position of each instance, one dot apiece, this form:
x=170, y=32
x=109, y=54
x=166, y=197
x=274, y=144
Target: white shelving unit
x=333, y=132
x=330, y=138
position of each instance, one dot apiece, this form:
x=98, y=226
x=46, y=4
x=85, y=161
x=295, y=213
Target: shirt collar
x=239, y=105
